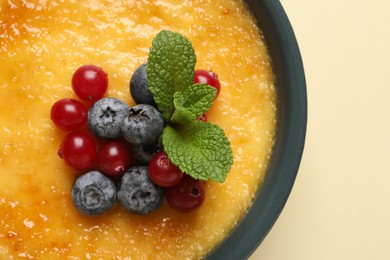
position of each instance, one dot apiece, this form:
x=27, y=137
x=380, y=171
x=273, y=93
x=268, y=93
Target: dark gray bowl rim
x=290, y=135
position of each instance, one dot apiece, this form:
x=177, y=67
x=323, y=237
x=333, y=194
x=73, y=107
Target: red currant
x=162, y=171
x=114, y=158
x=208, y=77
x=187, y=195
x=90, y=82
x=68, y=114
x=79, y=151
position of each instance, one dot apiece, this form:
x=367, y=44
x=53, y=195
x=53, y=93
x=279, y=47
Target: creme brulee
x=42, y=43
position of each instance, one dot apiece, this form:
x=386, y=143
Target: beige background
x=340, y=205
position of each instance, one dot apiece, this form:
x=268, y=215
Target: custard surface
x=42, y=43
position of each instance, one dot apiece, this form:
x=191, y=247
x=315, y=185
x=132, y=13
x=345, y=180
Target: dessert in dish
x=43, y=43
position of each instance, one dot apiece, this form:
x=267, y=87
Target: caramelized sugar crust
x=42, y=43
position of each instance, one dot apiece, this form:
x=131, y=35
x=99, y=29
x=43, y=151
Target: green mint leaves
x=199, y=149
x=170, y=69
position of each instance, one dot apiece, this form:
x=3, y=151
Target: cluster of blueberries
x=94, y=193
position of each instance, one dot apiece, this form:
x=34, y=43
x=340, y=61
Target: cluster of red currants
x=79, y=149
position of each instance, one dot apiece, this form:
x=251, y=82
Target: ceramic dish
x=290, y=136
x=40, y=54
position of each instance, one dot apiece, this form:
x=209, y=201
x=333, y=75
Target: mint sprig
x=170, y=69
x=198, y=148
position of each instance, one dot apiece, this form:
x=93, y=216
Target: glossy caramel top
x=42, y=43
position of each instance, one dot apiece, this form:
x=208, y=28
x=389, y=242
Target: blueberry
x=105, y=117
x=137, y=193
x=143, y=125
x=139, y=88
x=93, y=193
x=143, y=153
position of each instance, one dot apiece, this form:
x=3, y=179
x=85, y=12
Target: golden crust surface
x=42, y=43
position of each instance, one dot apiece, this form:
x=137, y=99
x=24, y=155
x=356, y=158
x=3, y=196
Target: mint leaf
x=199, y=149
x=182, y=115
x=170, y=69
x=196, y=100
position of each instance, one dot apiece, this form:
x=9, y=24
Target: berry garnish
x=143, y=125
x=90, y=82
x=68, y=114
x=187, y=195
x=114, y=158
x=162, y=171
x=144, y=153
x=93, y=193
x=208, y=77
x=79, y=151
x=105, y=117
x=137, y=193
x=139, y=88
x=167, y=130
